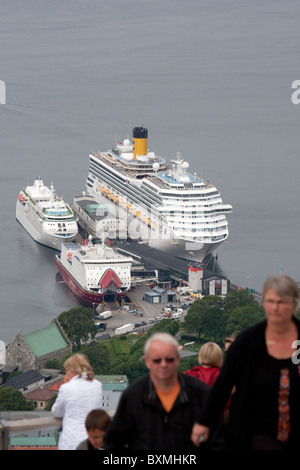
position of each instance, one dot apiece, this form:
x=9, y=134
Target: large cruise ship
x=94, y=271
x=164, y=205
x=46, y=217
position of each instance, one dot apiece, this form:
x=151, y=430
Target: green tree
x=243, y=317
x=213, y=322
x=198, y=318
x=99, y=358
x=78, y=323
x=13, y=400
x=238, y=298
x=50, y=403
x=56, y=364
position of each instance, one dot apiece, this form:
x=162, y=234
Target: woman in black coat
x=263, y=364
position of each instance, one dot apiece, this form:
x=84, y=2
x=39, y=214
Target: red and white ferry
x=93, y=271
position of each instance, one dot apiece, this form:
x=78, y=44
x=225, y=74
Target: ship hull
x=83, y=294
x=138, y=230
x=31, y=223
x=189, y=251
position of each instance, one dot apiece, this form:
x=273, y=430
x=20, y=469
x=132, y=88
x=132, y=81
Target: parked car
x=172, y=307
x=136, y=325
x=143, y=323
x=157, y=318
x=134, y=311
x=152, y=320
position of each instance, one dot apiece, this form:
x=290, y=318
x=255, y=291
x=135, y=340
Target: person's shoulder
x=251, y=332
x=64, y=386
x=192, y=381
x=138, y=383
x=84, y=445
x=193, y=372
x=96, y=382
x=247, y=340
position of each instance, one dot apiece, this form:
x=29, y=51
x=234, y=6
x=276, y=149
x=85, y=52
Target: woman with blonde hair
x=78, y=395
x=210, y=359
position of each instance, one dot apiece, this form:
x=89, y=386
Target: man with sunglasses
x=157, y=411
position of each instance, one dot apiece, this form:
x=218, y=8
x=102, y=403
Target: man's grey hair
x=165, y=338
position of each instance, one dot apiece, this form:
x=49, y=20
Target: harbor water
x=210, y=79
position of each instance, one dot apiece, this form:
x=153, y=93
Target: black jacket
x=239, y=370
x=141, y=423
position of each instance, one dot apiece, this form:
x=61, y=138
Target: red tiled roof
x=42, y=394
x=55, y=387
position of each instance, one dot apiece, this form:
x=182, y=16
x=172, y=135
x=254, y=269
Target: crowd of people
x=242, y=398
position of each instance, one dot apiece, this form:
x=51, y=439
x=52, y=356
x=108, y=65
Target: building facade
x=34, y=350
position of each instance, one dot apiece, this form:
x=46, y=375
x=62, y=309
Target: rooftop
x=45, y=340
x=23, y=380
x=42, y=394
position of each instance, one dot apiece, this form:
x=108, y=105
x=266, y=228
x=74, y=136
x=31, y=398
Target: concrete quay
x=121, y=316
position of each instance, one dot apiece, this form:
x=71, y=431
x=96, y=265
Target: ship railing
x=112, y=164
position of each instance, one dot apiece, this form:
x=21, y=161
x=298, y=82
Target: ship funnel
x=140, y=141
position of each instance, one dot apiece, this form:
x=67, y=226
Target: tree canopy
x=13, y=400
x=78, y=323
x=213, y=318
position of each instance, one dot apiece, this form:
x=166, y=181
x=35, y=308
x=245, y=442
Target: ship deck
x=162, y=179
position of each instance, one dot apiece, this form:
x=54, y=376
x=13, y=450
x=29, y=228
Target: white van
x=105, y=315
x=177, y=315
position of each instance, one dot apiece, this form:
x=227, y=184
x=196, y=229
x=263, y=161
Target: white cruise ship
x=94, y=272
x=165, y=205
x=46, y=217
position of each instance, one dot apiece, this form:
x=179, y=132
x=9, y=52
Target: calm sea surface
x=208, y=78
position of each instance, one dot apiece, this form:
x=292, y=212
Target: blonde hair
x=210, y=354
x=79, y=364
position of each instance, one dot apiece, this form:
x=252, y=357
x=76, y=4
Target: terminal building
x=95, y=219
x=173, y=272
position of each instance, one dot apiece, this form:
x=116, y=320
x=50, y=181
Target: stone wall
x=19, y=354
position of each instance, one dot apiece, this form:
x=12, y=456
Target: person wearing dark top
x=96, y=424
x=157, y=411
x=263, y=366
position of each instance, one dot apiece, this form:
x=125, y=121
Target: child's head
x=210, y=355
x=96, y=424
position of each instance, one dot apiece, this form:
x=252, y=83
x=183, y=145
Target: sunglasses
x=168, y=360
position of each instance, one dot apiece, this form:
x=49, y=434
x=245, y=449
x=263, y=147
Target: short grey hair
x=165, y=338
x=284, y=286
